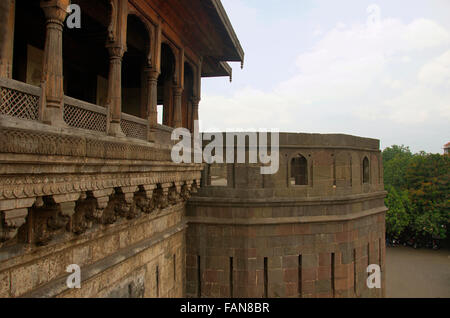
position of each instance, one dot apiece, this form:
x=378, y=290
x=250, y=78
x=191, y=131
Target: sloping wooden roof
x=206, y=28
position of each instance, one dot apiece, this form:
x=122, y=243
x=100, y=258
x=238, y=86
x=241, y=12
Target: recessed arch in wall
x=298, y=172
x=134, y=63
x=366, y=170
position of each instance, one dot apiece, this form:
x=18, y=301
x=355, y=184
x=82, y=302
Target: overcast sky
x=373, y=69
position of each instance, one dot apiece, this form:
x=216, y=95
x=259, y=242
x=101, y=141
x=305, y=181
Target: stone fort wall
x=264, y=236
x=115, y=207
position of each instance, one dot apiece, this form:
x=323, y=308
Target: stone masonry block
x=5, y=284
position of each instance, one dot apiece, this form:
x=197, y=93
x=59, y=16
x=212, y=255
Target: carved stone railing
x=134, y=127
x=19, y=99
x=163, y=134
x=141, y=171
x=84, y=115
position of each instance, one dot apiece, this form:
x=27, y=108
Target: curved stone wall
x=263, y=236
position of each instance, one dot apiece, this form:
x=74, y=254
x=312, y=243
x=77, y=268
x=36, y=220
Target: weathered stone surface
x=296, y=229
x=95, y=186
x=5, y=284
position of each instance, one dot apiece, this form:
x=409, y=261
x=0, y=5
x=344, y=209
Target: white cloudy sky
x=373, y=69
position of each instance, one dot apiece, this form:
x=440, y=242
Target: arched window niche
x=166, y=83
x=134, y=63
x=366, y=170
x=299, y=171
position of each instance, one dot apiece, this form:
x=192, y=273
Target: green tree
x=398, y=216
x=396, y=160
x=428, y=183
x=390, y=152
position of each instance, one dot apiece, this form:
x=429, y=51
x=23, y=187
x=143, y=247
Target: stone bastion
x=310, y=230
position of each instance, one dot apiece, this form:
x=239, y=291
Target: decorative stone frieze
x=47, y=143
x=77, y=213
x=67, y=194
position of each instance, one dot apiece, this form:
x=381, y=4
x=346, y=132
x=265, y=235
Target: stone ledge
x=286, y=220
x=35, y=138
x=322, y=141
x=70, y=164
x=280, y=202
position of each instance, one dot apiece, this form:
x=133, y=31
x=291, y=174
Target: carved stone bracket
x=13, y=214
x=85, y=211
x=102, y=213
x=195, y=185
x=161, y=195
x=129, y=196
x=149, y=190
x=173, y=195
x=10, y=222
x=48, y=219
x=145, y=199
x=186, y=191
x=77, y=212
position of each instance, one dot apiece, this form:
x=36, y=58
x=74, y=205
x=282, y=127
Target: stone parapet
x=306, y=231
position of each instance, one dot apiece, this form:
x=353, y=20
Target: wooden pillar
x=7, y=21
x=52, y=74
x=153, y=73
x=178, y=92
x=168, y=103
x=177, y=117
x=152, y=102
x=116, y=52
x=143, y=92
x=197, y=93
x=189, y=119
x=117, y=46
x=195, y=103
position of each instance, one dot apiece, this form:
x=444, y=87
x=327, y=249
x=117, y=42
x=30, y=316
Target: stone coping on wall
x=43, y=164
x=285, y=220
x=322, y=141
x=27, y=137
x=7, y=122
x=264, y=199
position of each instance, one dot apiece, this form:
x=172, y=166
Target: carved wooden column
x=195, y=103
x=116, y=52
x=153, y=74
x=178, y=91
x=197, y=93
x=4, y=17
x=177, y=116
x=52, y=74
x=152, y=102
x=168, y=102
x=7, y=17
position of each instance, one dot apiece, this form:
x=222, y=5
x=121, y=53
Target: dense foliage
x=418, y=188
